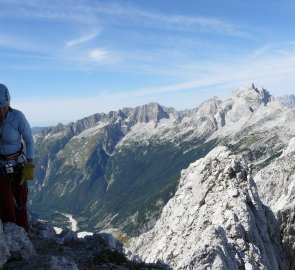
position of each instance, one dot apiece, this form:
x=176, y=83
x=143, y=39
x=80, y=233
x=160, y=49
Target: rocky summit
x=216, y=220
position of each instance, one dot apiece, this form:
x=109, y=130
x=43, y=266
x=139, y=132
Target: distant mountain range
x=118, y=170
x=209, y=188
x=287, y=100
x=114, y=170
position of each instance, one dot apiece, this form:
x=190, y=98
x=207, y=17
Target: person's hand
x=27, y=172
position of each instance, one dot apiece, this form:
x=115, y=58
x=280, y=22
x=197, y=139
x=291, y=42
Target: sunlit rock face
x=276, y=184
x=216, y=220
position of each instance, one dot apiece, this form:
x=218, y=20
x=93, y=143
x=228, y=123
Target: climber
x=16, y=165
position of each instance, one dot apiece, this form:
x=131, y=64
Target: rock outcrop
x=46, y=250
x=215, y=221
x=276, y=185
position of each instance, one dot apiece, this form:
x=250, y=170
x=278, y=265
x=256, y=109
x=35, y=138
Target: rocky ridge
x=216, y=220
x=276, y=184
x=43, y=249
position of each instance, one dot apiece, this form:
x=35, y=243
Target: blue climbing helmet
x=4, y=96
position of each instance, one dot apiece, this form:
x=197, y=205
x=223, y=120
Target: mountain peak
x=252, y=94
x=146, y=113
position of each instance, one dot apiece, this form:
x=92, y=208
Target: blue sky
x=67, y=59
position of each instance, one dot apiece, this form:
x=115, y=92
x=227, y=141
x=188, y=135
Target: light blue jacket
x=13, y=130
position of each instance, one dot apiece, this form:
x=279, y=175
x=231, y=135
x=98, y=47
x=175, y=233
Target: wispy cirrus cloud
x=154, y=19
x=91, y=15
x=273, y=69
x=195, y=24
x=87, y=12
x=172, y=58
x=48, y=10
x=81, y=40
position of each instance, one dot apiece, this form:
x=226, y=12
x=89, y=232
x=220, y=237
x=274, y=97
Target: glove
x=27, y=172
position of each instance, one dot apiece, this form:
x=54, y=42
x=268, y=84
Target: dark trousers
x=13, y=200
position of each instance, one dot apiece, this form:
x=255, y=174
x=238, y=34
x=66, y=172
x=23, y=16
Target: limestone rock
x=215, y=221
x=20, y=247
x=46, y=250
x=276, y=184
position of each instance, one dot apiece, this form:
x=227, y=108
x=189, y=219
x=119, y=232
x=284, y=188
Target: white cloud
x=81, y=40
x=98, y=54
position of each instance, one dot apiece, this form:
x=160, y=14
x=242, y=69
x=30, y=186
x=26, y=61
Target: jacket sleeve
x=27, y=136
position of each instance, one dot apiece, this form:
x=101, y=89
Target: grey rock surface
x=215, y=221
x=18, y=242
x=4, y=249
x=276, y=185
x=45, y=250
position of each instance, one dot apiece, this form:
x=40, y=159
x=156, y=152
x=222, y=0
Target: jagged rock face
x=262, y=136
x=245, y=108
x=215, y=221
x=46, y=250
x=245, y=101
x=146, y=113
x=253, y=96
x=14, y=243
x=118, y=170
x=276, y=184
x=286, y=217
